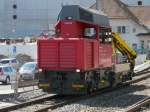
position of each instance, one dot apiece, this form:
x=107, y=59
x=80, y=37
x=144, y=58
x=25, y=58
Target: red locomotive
x=80, y=56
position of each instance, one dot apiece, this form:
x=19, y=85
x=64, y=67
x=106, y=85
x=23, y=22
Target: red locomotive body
x=71, y=51
x=76, y=59
x=68, y=55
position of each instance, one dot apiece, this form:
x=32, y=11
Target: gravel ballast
x=145, y=108
x=8, y=100
x=116, y=101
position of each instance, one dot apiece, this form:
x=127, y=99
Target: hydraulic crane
x=121, y=45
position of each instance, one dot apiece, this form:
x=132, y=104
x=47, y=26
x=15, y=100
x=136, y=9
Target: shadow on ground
x=121, y=98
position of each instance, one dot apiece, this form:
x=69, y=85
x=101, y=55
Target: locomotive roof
x=82, y=14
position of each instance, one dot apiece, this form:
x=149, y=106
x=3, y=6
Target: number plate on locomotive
x=44, y=85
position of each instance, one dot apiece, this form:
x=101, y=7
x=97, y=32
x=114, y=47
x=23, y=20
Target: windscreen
x=28, y=66
x=4, y=62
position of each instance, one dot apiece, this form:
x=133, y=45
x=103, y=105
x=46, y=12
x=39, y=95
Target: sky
x=133, y=2
x=129, y=2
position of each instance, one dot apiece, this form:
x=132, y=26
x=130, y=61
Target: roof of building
x=142, y=12
x=119, y=10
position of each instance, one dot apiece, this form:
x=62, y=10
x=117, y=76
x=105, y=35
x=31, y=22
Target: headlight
x=77, y=70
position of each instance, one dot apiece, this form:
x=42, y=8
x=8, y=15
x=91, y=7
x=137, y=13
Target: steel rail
x=138, y=105
x=60, y=104
x=17, y=106
x=95, y=94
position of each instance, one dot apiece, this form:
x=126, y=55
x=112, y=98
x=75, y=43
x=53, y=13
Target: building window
x=148, y=41
x=134, y=30
x=14, y=17
x=121, y=29
x=14, y=6
x=142, y=44
x=139, y=2
x=148, y=44
x=134, y=46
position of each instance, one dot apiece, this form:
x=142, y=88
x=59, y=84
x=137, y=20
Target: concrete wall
x=29, y=49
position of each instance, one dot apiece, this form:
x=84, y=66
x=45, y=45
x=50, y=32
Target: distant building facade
x=131, y=22
x=20, y=18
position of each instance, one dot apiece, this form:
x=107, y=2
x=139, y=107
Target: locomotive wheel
x=130, y=74
x=111, y=78
x=88, y=80
x=89, y=87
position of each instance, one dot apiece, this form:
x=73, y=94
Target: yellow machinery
x=122, y=46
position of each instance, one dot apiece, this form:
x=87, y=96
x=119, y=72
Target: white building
x=128, y=21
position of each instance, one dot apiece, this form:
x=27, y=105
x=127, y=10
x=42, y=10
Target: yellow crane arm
x=123, y=47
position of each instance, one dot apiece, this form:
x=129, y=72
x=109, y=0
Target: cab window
x=90, y=33
x=105, y=36
x=4, y=61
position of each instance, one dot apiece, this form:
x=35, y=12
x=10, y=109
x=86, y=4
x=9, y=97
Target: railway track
x=22, y=105
x=137, y=106
x=53, y=102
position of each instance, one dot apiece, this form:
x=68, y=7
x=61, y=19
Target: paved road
x=6, y=89
x=5, y=104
